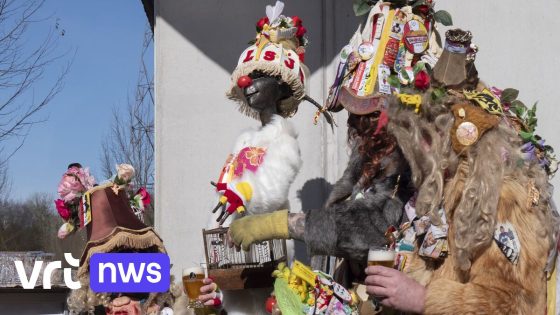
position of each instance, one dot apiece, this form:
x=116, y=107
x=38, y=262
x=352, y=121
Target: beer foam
x=381, y=255
x=195, y=270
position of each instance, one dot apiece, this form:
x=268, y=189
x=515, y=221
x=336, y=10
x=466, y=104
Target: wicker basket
x=233, y=270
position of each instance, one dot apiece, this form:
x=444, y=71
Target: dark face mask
x=266, y=92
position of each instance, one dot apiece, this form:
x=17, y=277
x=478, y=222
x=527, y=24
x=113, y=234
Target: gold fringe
x=120, y=237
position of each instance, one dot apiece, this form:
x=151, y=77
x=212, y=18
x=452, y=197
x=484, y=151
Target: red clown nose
x=244, y=81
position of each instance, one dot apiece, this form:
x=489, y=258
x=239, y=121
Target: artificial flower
x=422, y=80
x=528, y=152
x=125, y=172
x=144, y=195
x=70, y=187
x=496, y=91
x=424, y=9
x=62, y=209
x=296, y=21
x=301, y=31
x=65, y=230
x=261, y=23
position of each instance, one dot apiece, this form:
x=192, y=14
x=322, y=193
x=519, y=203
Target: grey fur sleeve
x=347, y=228
x=344, y=186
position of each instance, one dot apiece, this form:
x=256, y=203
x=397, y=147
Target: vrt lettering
x=30, y=283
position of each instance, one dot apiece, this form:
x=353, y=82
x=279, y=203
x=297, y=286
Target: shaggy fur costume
x=346, y=227
x=282, y=162
x=483, y=185
x=270, y=183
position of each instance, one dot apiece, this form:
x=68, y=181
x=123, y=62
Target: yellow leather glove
x=259, y=227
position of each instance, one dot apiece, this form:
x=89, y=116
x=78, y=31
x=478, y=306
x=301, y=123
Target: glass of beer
x=192, y=282
x=381, y=256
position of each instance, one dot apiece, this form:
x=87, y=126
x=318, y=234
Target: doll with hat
x=269, y=83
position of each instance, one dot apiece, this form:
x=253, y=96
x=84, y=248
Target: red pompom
x=301, y=31
x=422, y=80
x=244, y=81
x=270, y=302
x=261, y=23
x=297, y=21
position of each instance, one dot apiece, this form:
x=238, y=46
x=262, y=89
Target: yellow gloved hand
x=260, y=227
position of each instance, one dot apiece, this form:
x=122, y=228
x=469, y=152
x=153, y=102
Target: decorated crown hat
x=394, y=51
x=278, y=50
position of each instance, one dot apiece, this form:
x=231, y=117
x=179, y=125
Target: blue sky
x=106, y=37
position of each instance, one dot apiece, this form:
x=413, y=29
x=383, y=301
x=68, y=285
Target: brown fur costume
x=486, y=184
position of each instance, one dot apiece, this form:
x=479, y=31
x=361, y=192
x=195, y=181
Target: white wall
x=197, y=46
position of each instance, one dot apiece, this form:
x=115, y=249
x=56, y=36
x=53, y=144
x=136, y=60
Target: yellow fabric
x=486, y=100
x=223, y=199
x=245, y=189
x=370, y=84
x=260, y=227
x=551, y=294
x=262, y=42
x=240, y=209
x=411, y=100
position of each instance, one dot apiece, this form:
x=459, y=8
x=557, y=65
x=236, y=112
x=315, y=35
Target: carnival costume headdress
x=395, y=50
x=277, y=50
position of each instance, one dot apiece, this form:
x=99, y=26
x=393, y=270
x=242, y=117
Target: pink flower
x=70, y=187
x=83, y=175
x=62, y=209
x=145, y=195
x=65, y=230
x=74, y=182
x=497, y=92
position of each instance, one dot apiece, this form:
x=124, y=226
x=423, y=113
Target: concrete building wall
x=198, y=44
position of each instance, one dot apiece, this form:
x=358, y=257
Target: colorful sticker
x=467, y=133
x=383, y=76
x=434, y=244
x=85, y=205
x=415, y=37
x=366, y=50
x=507, y=240
x=345, y=53
x=341, y=292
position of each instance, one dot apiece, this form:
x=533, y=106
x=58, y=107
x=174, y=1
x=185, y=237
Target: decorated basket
x=237, y=270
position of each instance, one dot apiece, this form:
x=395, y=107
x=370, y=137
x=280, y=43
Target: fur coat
x=493, y=284
x=280, y=164
x=354, y=218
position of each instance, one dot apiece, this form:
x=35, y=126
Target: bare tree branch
x=131, y=138
x=24, y=63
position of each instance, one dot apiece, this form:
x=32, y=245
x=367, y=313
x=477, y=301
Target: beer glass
x=192, y=282
x=380, y=256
